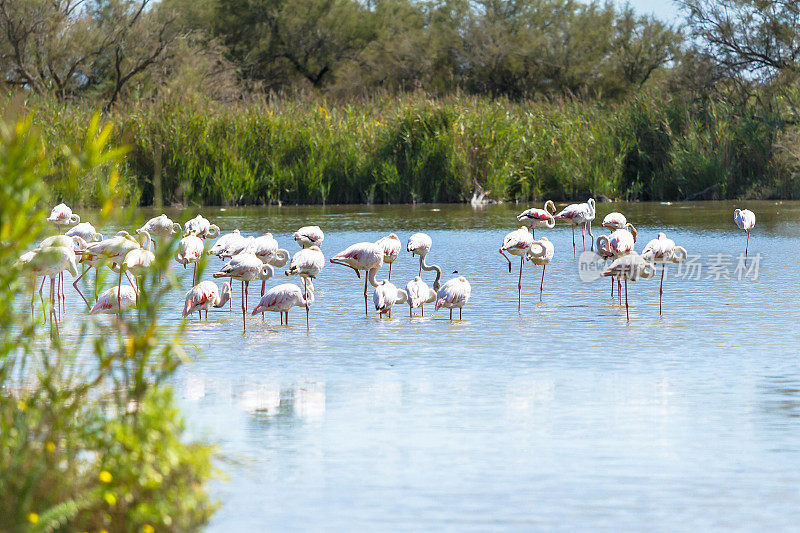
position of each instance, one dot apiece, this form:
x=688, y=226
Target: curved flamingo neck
x=428, y=268
x=372, y=273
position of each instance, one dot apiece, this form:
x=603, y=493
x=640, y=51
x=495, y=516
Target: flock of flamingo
x=255, y=258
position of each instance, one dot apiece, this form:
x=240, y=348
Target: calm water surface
x=563, y=417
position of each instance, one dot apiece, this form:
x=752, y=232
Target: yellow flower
x=50, y=446
x=21, y=405
x=110, y=498
x=147, y=528
x=33, y=518
x=105, y=476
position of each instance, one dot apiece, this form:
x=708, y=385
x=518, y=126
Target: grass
x=417, y=149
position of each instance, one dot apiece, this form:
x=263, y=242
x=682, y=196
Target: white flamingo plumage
x=62, y=214
x=454, y=295
x=281, y=298
x=579, y=214
x=746, y=220
x=614, y=220
x=386, y=295
x=309, y=236
x=77, y=244
x=245, y=267
x=631, y=266
x=190, y=250
x=201, y=227
x=663, y=250
x=419, y=294
x=518, y=242
x=391, y=250
x=232, y=240
x=266, y=248
x=85, y=231
x=161, y=226
x=115, y=300
x=616, y=244
x=107, y=252
x=420, y=244
x=366, y=256
x=49, y=261
x=307, y=263
x=539, y=218
x=205, y=295
x=540, y=253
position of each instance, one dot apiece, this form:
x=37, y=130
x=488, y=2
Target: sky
x=666, y=10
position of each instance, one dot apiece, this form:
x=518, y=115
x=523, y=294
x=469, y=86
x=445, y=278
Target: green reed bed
x=417, y=149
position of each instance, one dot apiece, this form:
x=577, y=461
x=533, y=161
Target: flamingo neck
x=372, y=273
x=428, y=268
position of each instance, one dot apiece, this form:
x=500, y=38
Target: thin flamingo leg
x=263, y=286
x=390, y=271
x=583, y=236
x=661, y=288
x=541, y=287
x=747, y=247
x=519, y=285
x=75, y=285
x=366, y=311
x=574, y=252
x=612, y=286
x=627, y=313
x=244, y=323
x=119, y=288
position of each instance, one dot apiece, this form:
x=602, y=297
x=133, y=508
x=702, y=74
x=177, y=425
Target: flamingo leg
x=519, y=285
x=574, y=253
x=194, y=275
x=366, y=312
x=75, y=285
x=305, y=295
x=583, y=236
x=619, y=291
x=747, y=247
x=390, y=271
x=244, y=323
x=612, y=286
x=661, y=288
x=459, y=314
x=119, y=288
x=541, y=287
x=627, y=312
x=451, y=313
x=133, y=284
x=230, y=300
x=263, y=286
x=507, y=259
x=422, y=308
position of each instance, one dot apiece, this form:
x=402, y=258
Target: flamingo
x=49, y=262
x=579, y=214
x=307, y=263
x=391, y=249
x=204, y=295
x=190, y=249
x=613, y=246
x=746, y=220
x=115, y=300
x=419, y=294
x=386, y=295
x=614, y=220
x=366, y=256
x=161, y=226
x=111, y=250
x=454, y=294
x=281, y=298
x=245, y=267
x=541, y=252
x=233, y=240
x=85, y=231
x=663, y=250
x=539, y=218
x=138, y=260
x=517, y=243
x=75, y=243
x=420, y=244
x=309, y=236
x=630, y=267
x=266, y=248
x=62, y=214
x=201, y=227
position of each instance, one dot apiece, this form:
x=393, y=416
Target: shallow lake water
x=562, y=417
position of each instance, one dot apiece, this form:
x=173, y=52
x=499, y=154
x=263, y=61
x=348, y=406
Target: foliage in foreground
x=416, y=149
x=90, y=437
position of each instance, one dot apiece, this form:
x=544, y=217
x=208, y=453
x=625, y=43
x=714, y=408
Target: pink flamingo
x=579, y=214
x=454, y=295
x=366, y=256
x=48, y=262
x=281, y=298
x=205, y=295
x=630, y=267
x=62, y=214
x=539, y=218
x=419, y=294
x=420, y=244
x=541, y=252
x=190, y=250
x=386, y=295
x=115, y=300
x=517, y=243
x=245, y=267
x=391, y=250
x=746, y=220
x=309, y=236
x=201, y=227
x=613, y=246
x=663, y=250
